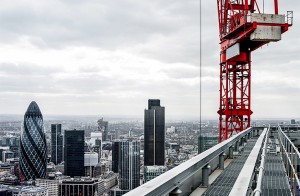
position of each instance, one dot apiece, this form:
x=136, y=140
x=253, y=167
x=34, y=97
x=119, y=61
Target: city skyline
x=97, y=57
x=275, y=82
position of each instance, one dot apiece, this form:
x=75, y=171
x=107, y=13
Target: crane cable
x=200, y=72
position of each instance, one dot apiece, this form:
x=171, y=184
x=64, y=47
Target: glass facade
x=205, y=142
x=33, y=149
x=154, y=133
x=115, y=156
x=129, y=165
x=56, y=144
x=74, y=153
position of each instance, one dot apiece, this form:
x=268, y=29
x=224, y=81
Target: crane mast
x=242, y=29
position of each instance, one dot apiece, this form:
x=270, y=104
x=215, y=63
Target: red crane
x=243, y=29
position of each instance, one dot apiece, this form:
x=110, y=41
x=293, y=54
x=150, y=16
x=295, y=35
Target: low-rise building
x=51, y=185
x=83, y=186
x=151, y=172
x=23, y=190
x=110, y=180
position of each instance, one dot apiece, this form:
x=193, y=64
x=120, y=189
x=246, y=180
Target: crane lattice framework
x=243, y=29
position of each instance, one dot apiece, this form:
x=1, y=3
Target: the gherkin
x=33, y=148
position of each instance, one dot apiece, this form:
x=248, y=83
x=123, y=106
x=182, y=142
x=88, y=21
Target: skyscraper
x=33, y=149
x=154, y=133
x=56, y=144
x=74, y=153
x=115, y=156
x=129, y=164
x=103, y=127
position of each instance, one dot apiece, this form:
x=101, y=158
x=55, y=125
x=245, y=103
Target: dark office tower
x=115, y=156
x=154, y=134
x=33, y=149
x=129, y=164
x=74, y=153
x=56, y=144
x=98, y=148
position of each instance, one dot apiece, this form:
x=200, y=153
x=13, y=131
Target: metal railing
x=188, y=175
x=290, y=155
x=257, y=191
x=245, y=179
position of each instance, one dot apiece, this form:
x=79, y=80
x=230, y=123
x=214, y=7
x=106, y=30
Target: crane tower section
x=242, y=29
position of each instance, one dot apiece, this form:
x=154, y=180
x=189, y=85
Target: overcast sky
x=275, y=67
x=100, y=57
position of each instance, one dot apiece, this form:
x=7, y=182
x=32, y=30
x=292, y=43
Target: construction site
x=248, y=159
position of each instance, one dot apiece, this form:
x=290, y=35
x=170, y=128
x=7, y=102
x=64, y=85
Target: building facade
x=74, y=153
x=151, y=172
x=110, y=180
x=129, y=165
x=33, y=148
x=56, y=144
x=78, y=187
x=205, y=142
x=154, y=134
x=51, y=185
x=23, y=191
x=90, y=162
x=98, y=147
x=95, y=136
x=115, y=156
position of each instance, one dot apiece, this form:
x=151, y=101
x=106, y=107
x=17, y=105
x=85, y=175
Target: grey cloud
x=108, y=25
x=25, y=69
x=183, y=71
x=128, y=26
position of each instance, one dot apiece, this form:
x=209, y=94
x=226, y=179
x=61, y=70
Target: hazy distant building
x=56, y=144
x=293, y=121
x=7, y=154
x=10, y=140
x=74, y=153
x=205, y=142
x=117, y=134
x=130, y=132
x=33, y=149
x=103, y=127
x=129, y=165
x=97, y=135
x=154, y=133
